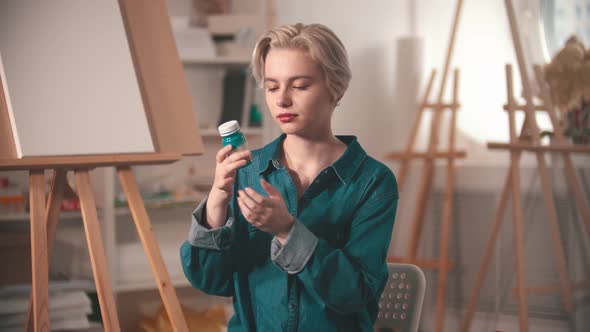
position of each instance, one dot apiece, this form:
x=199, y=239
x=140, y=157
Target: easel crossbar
x=75, y=162
x=539, y=148
x=555, y=288
x=441, y=106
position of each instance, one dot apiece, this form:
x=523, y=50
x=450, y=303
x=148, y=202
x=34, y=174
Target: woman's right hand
x=225, y=174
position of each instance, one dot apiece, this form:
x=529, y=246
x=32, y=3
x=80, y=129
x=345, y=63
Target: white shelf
x=218, y=60
x=64, y=215
x=94, y=326
x=74, y=215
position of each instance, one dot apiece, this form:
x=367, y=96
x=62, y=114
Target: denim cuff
x=292, y=256
x=201, y=236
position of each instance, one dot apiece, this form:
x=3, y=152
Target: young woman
x=299, y=236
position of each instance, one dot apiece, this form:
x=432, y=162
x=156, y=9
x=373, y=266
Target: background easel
x=442, y=263
x=528, y=140
x=174, y=132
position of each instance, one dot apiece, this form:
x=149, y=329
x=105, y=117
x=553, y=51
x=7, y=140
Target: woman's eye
x=300, y=87
x=272, y=89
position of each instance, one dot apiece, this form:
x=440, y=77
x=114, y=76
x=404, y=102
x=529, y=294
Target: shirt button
x=275, y=163
x=325, y=172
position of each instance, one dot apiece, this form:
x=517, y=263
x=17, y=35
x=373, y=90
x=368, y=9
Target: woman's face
x=296, y=92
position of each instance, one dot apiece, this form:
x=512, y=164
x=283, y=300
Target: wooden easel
x=45, y=217
x=442, y=264
x=174, y=133
x=528, y=140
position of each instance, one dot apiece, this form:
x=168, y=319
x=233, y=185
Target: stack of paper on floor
x=69, y=306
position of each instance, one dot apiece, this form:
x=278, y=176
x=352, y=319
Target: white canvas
x=69, y=79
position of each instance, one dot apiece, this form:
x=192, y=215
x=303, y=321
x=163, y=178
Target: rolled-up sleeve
x=201, y=236
x=298, y=248
x=207, y=257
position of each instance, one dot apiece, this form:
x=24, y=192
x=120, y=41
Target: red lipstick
x=286, y=117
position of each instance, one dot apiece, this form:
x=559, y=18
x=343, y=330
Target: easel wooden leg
x=97, y=253
x=150, y=246
x=517, y=219
x=443, y=269
x=564, y=279
x=422, y=199
x=51, y=220
x=481, y=275
x=40, y=266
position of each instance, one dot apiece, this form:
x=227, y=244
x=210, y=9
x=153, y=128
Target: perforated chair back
x=400, y=306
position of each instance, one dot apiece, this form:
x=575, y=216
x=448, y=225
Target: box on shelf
x=234, y=34
x=231, y=24
x=192, y=42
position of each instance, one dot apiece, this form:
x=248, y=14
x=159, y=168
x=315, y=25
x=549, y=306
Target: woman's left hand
x=269, y=214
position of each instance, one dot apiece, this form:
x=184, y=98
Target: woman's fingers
x=272, y=191
x=230, y=168
x=245, y=155
x=250, y=203
x=258, y=198
x=247, y=212
x=222, y=153
x=226, y=166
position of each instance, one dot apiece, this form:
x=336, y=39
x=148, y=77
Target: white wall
x=370, y=31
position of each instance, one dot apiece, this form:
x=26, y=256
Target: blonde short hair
x=319, y=41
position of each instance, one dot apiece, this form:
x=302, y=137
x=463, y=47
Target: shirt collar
x=345, y=166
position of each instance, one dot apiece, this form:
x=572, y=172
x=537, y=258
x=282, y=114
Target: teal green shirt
x=329, y=274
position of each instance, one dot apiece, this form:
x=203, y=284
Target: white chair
x=400, y=306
